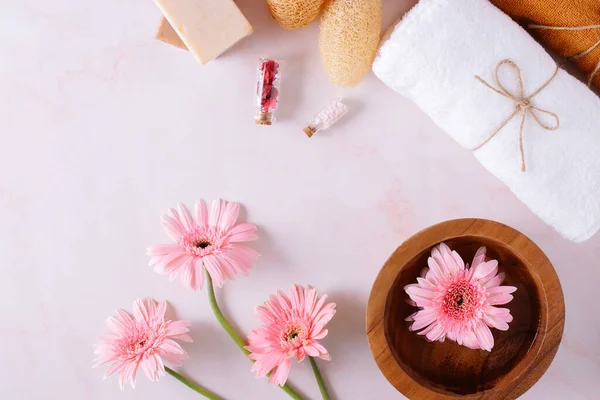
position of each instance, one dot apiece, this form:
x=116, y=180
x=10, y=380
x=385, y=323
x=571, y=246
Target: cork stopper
x=310, y=130
x=263, y=118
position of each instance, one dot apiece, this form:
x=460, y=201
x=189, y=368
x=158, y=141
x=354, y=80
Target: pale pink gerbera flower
x=292, y=328
x=144, y=340
x=204, y=241
x=457, y=302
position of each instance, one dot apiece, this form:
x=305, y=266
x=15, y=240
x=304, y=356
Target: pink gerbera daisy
x=292, y=328
x=144, y=340
x=458, y=302
x=204, y=241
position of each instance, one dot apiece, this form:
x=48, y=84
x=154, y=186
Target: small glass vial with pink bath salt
x=267, y=90
x=326, y=117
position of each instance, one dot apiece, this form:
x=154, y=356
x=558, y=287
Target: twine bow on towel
x=523, y=105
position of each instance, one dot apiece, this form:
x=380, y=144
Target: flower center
x=202, y=241
x=294, y=334
x=203, y=244
x=462, y=299
x=136, y=346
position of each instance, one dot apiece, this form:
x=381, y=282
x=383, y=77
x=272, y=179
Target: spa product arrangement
x=504, y=103
x=348, y=40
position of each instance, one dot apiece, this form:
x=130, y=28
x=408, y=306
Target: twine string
x=580, y=54
x=522, y=103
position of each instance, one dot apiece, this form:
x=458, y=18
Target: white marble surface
x=103, y=128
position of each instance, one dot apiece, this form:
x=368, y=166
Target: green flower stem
x=233, y=334
x=221, y=318
x=320, y=382
x=195, y=387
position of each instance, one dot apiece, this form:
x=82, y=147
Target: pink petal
x=311, y=351
x=149, y=367
x=301, y=354
x=170, y=346
x=201, y=214
x=216, y=212
x=435, y=268
x=198, y=282
x=425, y=284
x=186, y=218
x=162, y=249
x=501, y=290
x=243, y=232
x=460, y=264
x=484, y=336
x=422, y=319
x=174, y=328
x=233, y=264
x=214, y=269
x=173, y=227
x=435, y=333
x=483, y=269
x=322, y=350
x=281, y=373
x=495, y=281
x=171, y=263
x=140, y=312
x=418, y=291
x=321, y=334
x=479, y=257
x=188, y=275
x=495, y=322
x=115, y=368
x=119, y=323
x=171, y=358
x=177, y=265
x=229, y=217
x=449, y=260
x=183, y=337
x=499, y=299
x=161, y=310
x=497, y=311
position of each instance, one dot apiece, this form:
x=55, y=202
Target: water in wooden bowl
x=449, y=367
x=425, y=370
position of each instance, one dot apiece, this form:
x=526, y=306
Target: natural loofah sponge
x=349, y=39
x=294, y=14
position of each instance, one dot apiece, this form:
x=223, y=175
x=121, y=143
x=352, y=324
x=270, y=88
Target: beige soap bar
x=167, y=34
x=206, y=27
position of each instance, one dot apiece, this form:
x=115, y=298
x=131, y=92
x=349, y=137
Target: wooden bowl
x=423, y=370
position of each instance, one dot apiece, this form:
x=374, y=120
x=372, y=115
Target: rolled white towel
x=433, y=55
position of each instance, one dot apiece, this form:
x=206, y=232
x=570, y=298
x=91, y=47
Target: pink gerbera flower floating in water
x=204, y=240
x=292, y=329
x=142, y=341
x=457, y=302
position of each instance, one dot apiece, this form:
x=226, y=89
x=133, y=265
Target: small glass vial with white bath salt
x=267, y=90
x=326, y=117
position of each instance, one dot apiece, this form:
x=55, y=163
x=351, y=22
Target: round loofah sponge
x=294, y=14
x=349, y=38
